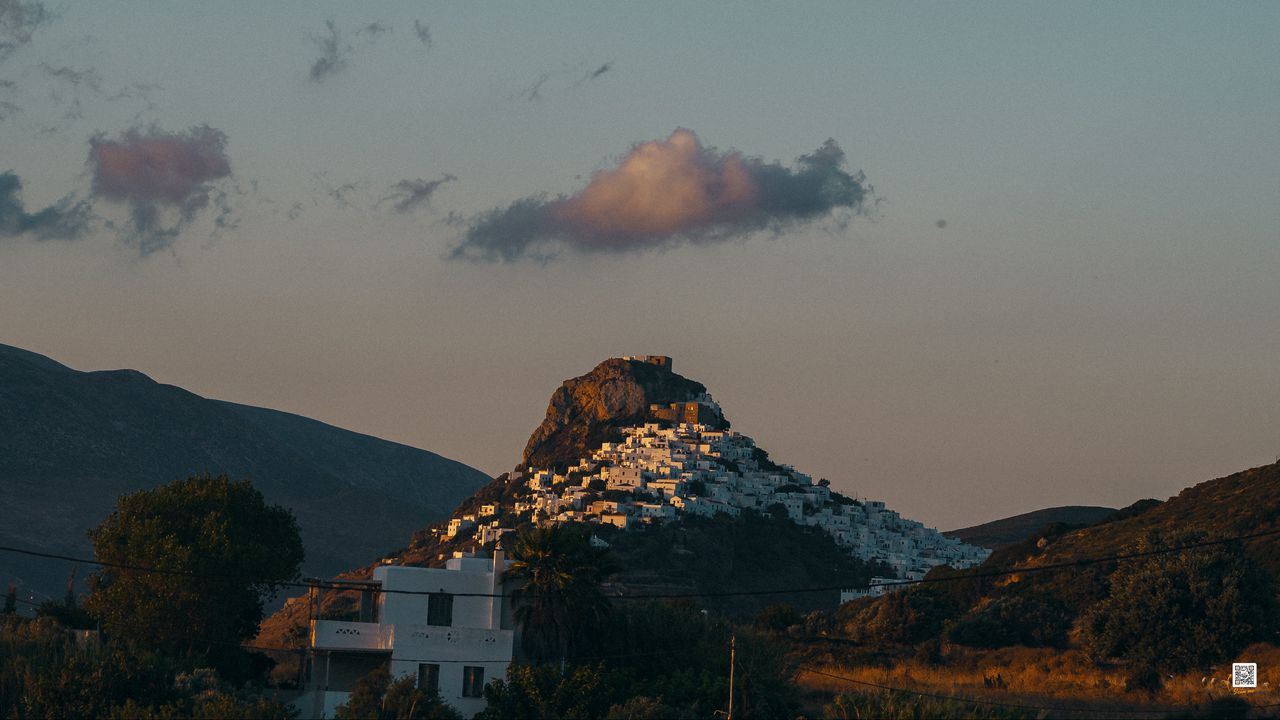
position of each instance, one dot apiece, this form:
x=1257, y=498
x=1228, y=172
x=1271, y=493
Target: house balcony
x=353, y=636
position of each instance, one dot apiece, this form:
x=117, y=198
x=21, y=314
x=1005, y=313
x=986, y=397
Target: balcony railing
x=340, y=635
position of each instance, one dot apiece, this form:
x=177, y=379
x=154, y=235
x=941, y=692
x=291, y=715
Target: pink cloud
x=663, y=193
x=152, y=170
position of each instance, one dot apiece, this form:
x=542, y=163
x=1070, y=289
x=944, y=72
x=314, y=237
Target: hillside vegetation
x=1134, y=627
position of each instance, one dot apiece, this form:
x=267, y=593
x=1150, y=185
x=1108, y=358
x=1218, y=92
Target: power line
x=961, y=575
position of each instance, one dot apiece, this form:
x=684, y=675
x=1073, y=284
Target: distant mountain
x=1007, y=531
x=71, y=442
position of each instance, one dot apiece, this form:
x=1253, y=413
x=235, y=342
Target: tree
x=560, y=602
x=376, y=697
x=213, y=550
x=543, y=692
x=1182, y=610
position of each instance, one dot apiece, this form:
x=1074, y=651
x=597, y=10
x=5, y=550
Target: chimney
x=495, y=587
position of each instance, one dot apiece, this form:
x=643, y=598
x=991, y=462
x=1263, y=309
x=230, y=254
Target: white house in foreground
x=448, y=627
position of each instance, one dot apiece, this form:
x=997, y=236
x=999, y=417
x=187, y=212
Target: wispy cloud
x=408, y=195
x=423, y=33
x=339, y=194
x=598, y=72
x=334, y=53
x=374, y=30
x=563, y=79
x=86, y=78
x=533, y=92
x=18, y=23
x=665, y=193
x=8, y=107
x=165, y=179
x=67, y=219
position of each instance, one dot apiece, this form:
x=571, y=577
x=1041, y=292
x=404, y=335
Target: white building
x=877, y=587
x=450, y=628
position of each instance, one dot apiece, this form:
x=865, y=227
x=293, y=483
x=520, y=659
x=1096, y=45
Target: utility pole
x=733, y=641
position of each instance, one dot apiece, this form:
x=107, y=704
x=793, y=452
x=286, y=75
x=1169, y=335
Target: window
x=429, y=677
x=440, y=609
x=472, y=681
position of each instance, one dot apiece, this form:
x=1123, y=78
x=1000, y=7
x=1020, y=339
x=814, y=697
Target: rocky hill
x=588, y=410
x=1007, y=531
x=646, y=458
x=71, y=442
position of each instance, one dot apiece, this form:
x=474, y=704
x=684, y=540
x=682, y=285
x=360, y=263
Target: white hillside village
x=685, y=465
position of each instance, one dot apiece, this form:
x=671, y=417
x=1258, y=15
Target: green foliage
x=1030, y=620
x=227, y=549
x=45, y=675
x=642, y=707
x=674, y=651
x=376, y=697
x=202, y=695
x=1182, y=610
x=778, y=618
x=542, y=692
x=669, y=661
x=753, y=552
x=906, y=706
x=904, y=617
x=559, y=605
x=68, y=614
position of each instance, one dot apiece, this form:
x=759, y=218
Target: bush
x=43, y=675
x=1030, y=620
x=542, y=692
x=778, y=618
x=1182, y=610
x=893, y=705
x=905, y=617
x=648, y=708
x=376, y=697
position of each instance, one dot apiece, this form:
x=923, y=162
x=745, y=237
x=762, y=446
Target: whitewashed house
x=448, y=627
x=877, y=587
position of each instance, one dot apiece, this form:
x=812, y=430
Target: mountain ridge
x=1002, y=532
x=72, y=441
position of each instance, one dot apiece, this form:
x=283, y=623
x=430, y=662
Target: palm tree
x=559, y=603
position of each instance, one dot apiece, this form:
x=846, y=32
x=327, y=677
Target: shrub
x=376, y=697
x=1030, y=620
x=1181, y=610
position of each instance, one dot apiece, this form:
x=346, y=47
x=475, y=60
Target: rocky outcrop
x=588, y=410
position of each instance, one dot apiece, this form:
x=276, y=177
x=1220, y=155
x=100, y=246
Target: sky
x=971, y=259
